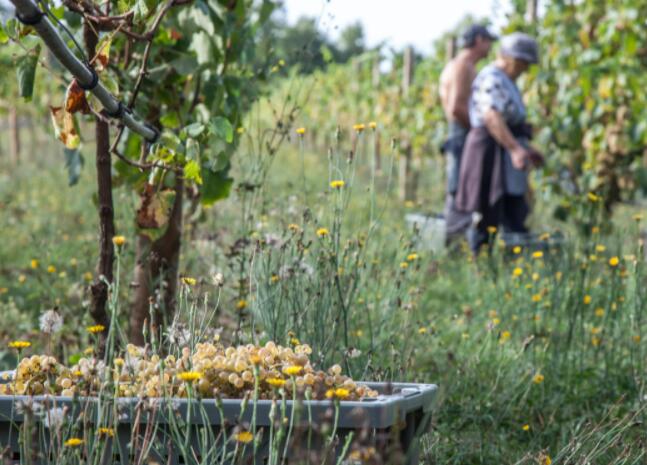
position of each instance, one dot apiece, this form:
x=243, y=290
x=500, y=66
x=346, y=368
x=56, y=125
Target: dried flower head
x=51, y=322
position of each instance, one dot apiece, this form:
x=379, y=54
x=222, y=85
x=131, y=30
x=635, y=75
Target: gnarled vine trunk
x=156, y=276
x=104, y=271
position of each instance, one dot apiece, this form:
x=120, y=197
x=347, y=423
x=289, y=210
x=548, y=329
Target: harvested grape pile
x=211, y=371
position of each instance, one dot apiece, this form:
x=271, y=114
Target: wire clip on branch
x=28, y=13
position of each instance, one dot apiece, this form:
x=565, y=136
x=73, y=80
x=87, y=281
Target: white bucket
x=430, y=231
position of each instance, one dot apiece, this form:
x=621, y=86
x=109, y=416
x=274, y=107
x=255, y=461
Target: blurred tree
x=352, y=42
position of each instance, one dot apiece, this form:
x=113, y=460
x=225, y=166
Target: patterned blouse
x=493, y=89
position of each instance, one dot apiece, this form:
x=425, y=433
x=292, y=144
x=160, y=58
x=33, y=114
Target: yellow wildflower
x=337, y=184
x=422, y=330
x=505, y=336
x=106, y=432
x=547, y=460
x=637, y=217
x=613, y=261
x=592, y=197
x=596, y=330
x=538, y=254
x=189, y=376
x=275, y=382
x=22, y=278
x=301, y=131
x=51, y=269
x=491, y=229
x=322, y=232
x=294, y=227
x=73, y=442
x=412, y=257
x=595, y=229
x=599, y=312
x=19, y=344
x=359, y=127
x=87, y=276
x=538, y=378
x=526, y=427
x=586, y=299
x=241, y=304
x=240, y=130
x=636, y=338
x=536, y=298
x=516, y=249
x=244, y=437
x=595, y=341
x=34, y=264
x=404, y=265
x=372, y=125
x=292, y=370
x=119, y=240
x=95, y=329
x=189, y=281
x=339, y=393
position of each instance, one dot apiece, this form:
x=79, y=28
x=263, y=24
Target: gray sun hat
x=520, y=46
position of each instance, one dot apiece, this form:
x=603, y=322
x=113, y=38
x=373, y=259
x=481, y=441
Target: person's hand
x=519, y=156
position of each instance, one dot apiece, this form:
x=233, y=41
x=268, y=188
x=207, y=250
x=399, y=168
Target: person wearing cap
x=455, y=89
x=493, y=178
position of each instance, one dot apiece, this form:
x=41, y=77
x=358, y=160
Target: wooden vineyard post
x=376, y=77
x=14, y=135
x=406, y=176
x=531, y=10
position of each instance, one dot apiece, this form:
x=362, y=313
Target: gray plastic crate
x=392, y=421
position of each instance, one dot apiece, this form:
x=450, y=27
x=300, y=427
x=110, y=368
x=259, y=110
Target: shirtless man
x=455, y=90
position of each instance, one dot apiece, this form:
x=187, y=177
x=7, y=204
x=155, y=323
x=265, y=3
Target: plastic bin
x=431, y=231
x=394, y=420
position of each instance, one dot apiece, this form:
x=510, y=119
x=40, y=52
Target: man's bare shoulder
x=457, y=67
x=463, y=65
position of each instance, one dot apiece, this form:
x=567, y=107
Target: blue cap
x=469, y=35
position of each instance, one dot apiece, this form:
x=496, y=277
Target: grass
x=544, y=361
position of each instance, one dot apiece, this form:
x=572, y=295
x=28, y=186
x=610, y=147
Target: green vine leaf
x=26, y=71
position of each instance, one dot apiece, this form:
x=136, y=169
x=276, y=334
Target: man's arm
x=459, y=95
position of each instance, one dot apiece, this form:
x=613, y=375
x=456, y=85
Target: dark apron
x=482, y=174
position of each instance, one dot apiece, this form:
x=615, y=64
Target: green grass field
x=538, y=358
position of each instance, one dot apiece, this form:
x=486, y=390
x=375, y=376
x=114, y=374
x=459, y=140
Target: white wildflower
x=54, y=418
x=51, y=322
x=218, y=279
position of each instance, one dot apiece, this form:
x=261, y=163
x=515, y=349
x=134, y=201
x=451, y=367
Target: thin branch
x=145, y=166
